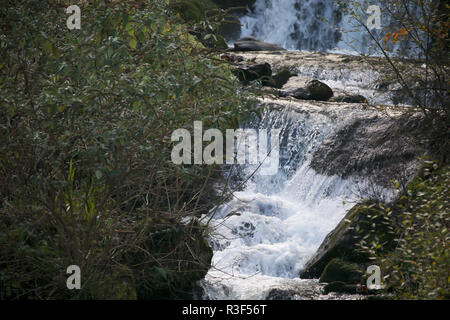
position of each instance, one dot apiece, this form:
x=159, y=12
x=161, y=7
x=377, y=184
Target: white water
x=267, y=232
x=293, y=24
x=315, y=25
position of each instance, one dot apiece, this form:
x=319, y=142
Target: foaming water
x=320, y=25
x=266, y=233
x=294, y=24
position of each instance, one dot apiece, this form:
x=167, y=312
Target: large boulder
x=340, y=270
x=375, y=148
x=343, y=241
x=253, y=44
x=314, y=90
x=319, y=90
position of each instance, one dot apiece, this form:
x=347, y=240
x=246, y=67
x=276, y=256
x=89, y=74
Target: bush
x=418, y=267
x=85, y=123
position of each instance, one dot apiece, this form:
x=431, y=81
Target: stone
x=351, y=99
x=300, y=93
x=314, y=90
x=281, y=78
x=340, y=270
x=318, y=90
x=373, y=147
x=340, y=287
x=246, y=74
x=339, y=243
x=253, y=44
x=279, y=294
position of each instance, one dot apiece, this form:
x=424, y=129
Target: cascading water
x=268, y=231
x=317, y=25
x=294, y=24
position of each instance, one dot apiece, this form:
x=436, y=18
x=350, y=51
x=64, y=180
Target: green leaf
x=133, y=43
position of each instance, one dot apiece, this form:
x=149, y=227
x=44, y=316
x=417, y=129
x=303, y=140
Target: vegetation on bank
x=86, y=176
x=410, y=239
x=416, y=262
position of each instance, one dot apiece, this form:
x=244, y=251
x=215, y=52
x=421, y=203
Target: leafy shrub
x=86, y=117
x=418, y=266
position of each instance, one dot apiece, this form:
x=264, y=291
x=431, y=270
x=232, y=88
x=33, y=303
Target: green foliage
x=203, y=19
x=189, y=10
x=86, y=118
x=419, y=266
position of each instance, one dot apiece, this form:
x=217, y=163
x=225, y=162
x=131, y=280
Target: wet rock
x=319, y=91
x=351, y=99
x=383, y=86
x=280, y=294
x=374, y=147
x=245, y=230
x=314, y=90
x=342, y=241
x=246, y=74
x=340, y=287
x=340, y=270
x=300, y=93
x=281, y=78
x=253, y=44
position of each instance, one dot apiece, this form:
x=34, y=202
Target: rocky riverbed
x=342, y=140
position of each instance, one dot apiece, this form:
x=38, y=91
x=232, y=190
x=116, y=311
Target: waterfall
x=264, y=235
x=294, y=24
x=317, y=25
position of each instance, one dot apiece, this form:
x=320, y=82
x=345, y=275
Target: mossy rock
x=343, y=241
x=340, y=270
